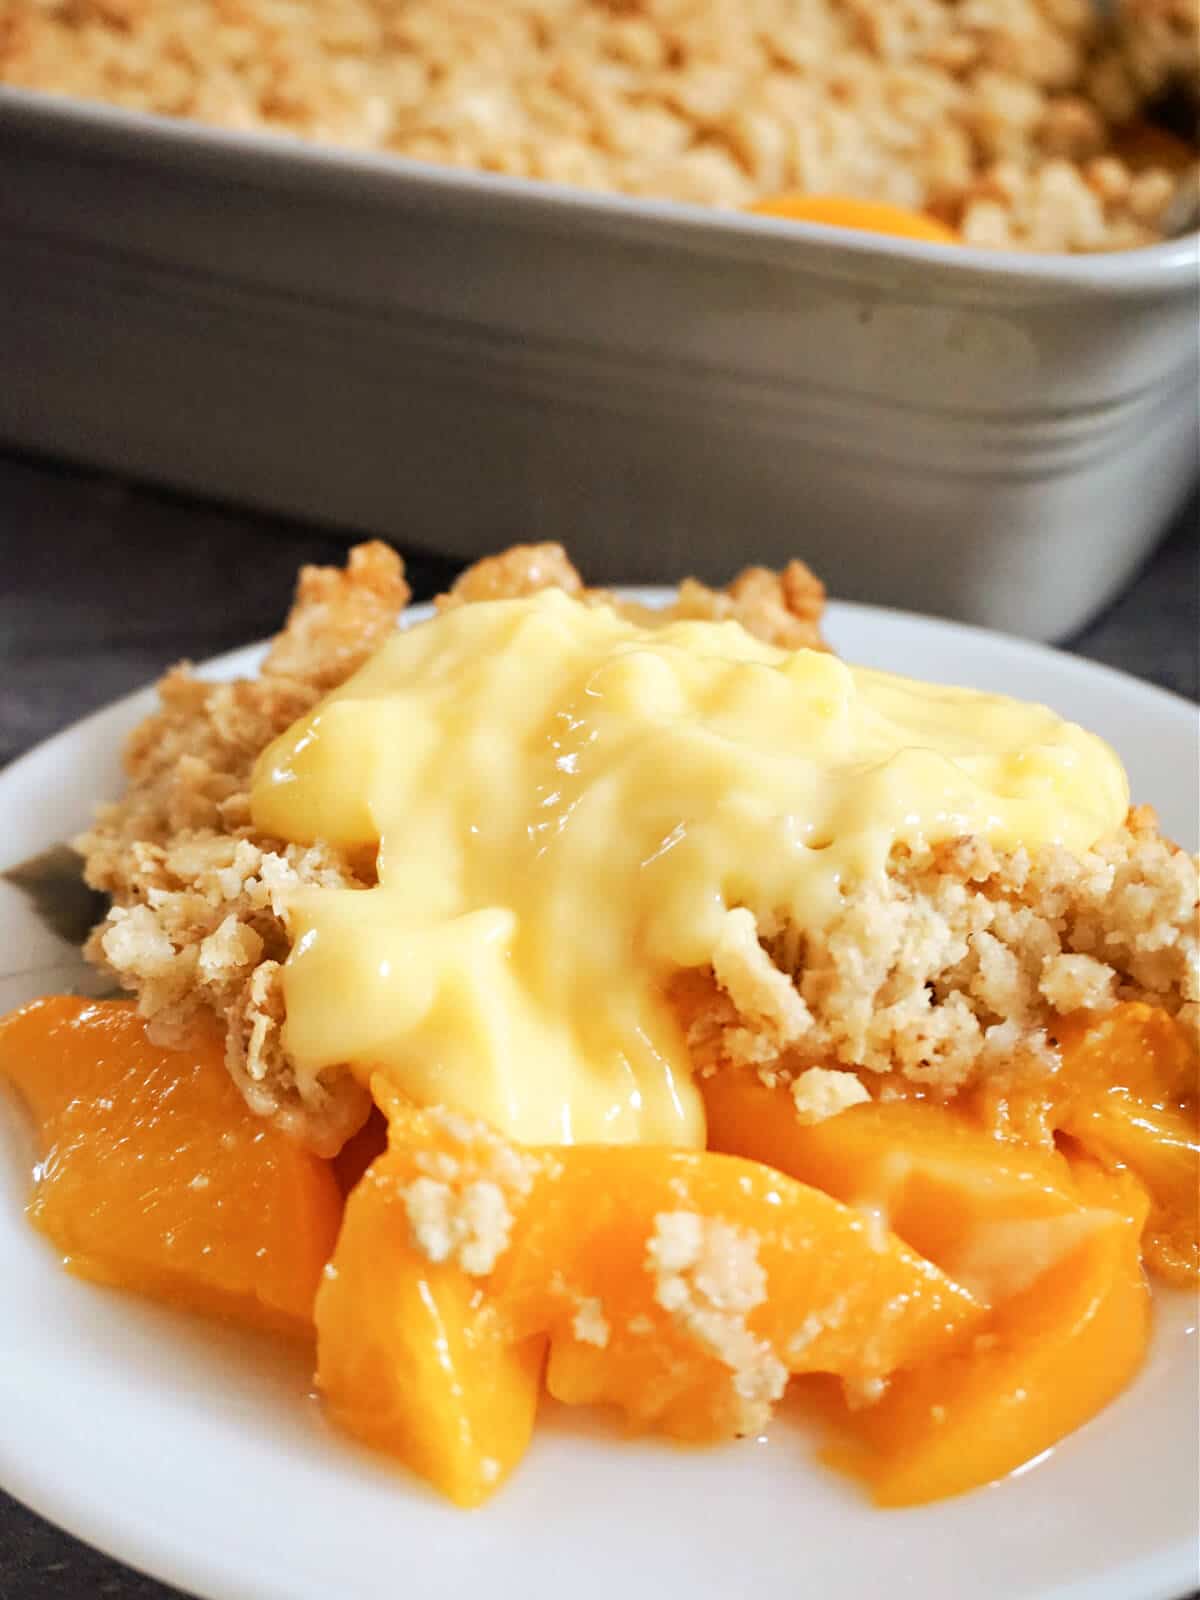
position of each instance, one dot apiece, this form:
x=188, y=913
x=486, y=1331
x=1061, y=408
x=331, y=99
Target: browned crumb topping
x=957, y=965
x=339, y=618
x=997, y=114
x=198, y=921
x=782, y=608
x=522, y=569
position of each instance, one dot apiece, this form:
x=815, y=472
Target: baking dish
x=460, y=360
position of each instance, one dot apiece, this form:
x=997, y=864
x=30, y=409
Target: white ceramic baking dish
x=460, y=360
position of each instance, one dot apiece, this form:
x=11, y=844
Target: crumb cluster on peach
x=639, y=1006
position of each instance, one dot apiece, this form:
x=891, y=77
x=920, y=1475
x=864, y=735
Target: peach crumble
x=640, y=1005
x=1008, y=120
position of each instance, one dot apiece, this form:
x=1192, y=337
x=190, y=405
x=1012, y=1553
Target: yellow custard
x=567, y=807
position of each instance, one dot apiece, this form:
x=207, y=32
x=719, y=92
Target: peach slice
x=991, y=1215
x=413, y=1359
x=1051, y=1245
x=864, y=216
x=1127, y=1093
x=155, y=1177
x=1051, y=1357
x=681, y=1287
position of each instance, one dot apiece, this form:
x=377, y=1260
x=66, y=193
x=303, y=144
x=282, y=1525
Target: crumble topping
x=1005, y=117
x=819, y=1093
x=1077, y=983
x=470, y=1226
x=707, y=1276
x=781, y=608
x=460, y=1207
x=957, y=964
x=761, y=994
x=590, y=1325
x=952, y=968
x=523, y=569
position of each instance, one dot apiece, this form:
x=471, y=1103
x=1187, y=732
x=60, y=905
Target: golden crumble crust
x=954, y=968
x=991, y=114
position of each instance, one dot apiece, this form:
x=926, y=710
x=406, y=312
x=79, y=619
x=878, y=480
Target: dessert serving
x=640, y=1006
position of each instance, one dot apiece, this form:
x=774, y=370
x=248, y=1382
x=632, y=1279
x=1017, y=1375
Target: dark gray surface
x=103, y=585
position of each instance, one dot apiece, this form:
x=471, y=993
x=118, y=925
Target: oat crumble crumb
x=470, y=1226
x=760, y=992
x=465, y=1213
x=707, y=1277
x=590, y=1325
x=820, y=1093
x=958, y=962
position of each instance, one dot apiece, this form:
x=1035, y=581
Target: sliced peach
x=155, y=1177
x=991, y=1215
x=413, y=1358
x=1127, y=1093
x=1050, y=1358
x=680, y=1286
x=1161, y=1147
x=823, y=1290
x=866, y=216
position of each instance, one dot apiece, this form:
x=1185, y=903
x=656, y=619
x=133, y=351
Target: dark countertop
x=102, y=585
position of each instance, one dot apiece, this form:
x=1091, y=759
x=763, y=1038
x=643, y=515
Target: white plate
x=197, y=1455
